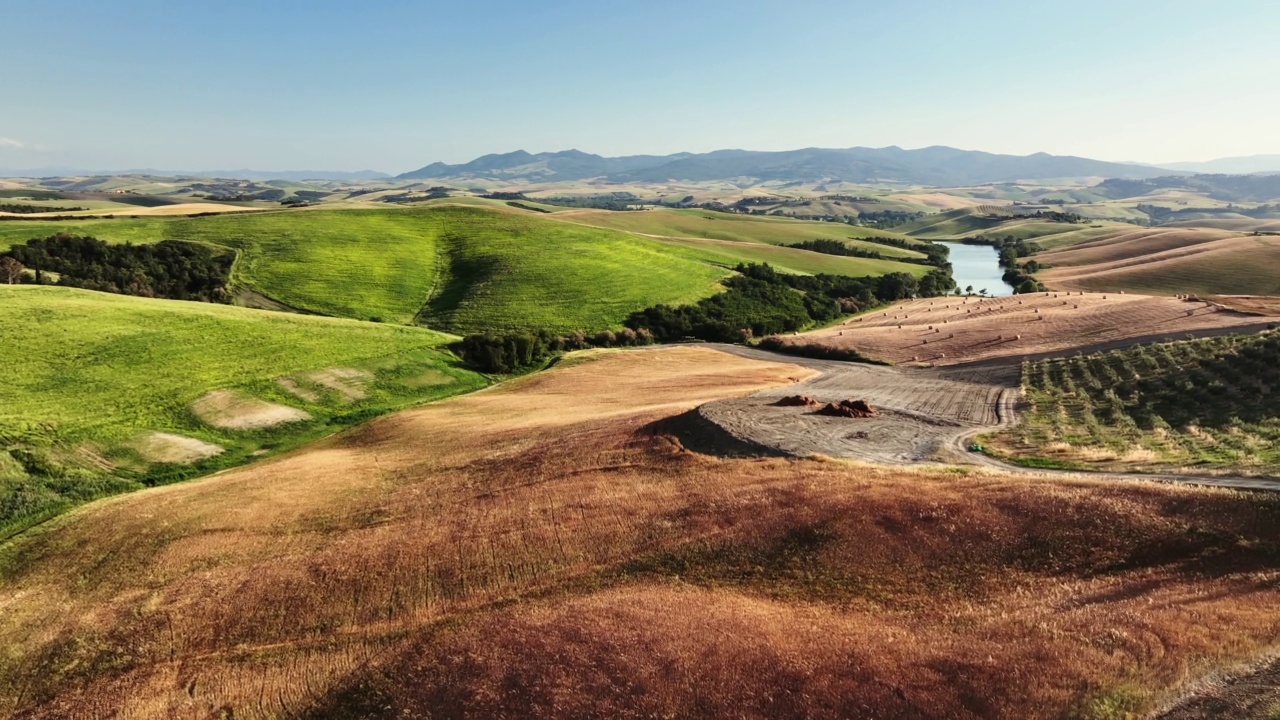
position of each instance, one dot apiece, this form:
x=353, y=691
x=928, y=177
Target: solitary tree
x=968, y=290
x=10, y=270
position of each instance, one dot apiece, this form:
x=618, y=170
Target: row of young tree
x=169, y=269
x=758, y=302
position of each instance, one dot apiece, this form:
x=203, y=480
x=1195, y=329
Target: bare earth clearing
x=955, y=331
x=1250, y=695
x=546, y=548
x=170, y=448
x=923, y=415
x=230, y=410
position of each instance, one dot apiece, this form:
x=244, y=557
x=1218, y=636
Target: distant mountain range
x=938, y=165
x=942, y=166
x=1231, y=166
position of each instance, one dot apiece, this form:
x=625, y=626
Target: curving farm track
x=926, y=415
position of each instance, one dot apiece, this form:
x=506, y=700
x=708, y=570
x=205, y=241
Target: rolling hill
x=1167, y=261
x=551, y=548
x=991, y=221
x=462, y=269
x=108, y=393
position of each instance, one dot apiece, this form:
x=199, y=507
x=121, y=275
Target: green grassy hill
x=711, y=225
x=991, y=221
x=466, y=269
x=92, y=376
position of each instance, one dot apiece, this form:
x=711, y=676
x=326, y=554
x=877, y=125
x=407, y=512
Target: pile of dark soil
x=797, y=401
x=849, y=409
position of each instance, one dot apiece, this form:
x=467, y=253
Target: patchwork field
x=1168, y=261
x=373, y=575
x=1197, y=406
x=107, y=393
x=951, y=331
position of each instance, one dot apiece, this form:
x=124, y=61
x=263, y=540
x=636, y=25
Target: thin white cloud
x=10, y=142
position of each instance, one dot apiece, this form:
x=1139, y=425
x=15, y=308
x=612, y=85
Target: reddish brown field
x=950, y=331
x=550, y=549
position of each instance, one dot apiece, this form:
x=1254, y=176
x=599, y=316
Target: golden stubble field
x=958, y=330
x=549, y=548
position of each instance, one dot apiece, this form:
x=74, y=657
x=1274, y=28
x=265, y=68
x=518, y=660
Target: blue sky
x=396, y=85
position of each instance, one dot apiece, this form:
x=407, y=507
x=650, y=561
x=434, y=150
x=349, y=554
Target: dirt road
x=922, y=412
x=926, y=415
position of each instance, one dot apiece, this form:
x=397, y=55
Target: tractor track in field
x=927, y=415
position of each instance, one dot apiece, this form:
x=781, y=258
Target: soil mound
x=797, y=401
x=849, y=409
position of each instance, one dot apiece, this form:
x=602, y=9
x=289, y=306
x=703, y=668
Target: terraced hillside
x=1167, y=261
x=554, y=548
x=107, y=393
x=462, y=269
x=1198, y=406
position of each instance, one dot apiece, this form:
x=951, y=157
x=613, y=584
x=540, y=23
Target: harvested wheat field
x=951, y=331
x=547, y=548
x=1174, y=261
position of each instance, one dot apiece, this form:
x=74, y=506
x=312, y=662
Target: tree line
x=936, y=254
x=758, y=302
x=23, y=209
x=1012, y=249
x=168, y=269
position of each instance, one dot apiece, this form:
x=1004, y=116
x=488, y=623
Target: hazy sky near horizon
x=393, y=85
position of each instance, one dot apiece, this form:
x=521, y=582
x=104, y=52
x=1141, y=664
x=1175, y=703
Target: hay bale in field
x=797, y=401
x=849, y=409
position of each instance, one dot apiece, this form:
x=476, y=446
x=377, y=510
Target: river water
x=979, y=266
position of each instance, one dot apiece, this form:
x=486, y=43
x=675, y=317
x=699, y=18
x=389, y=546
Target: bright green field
x=467, y=269
x=711, y=225
x=801, y=262
x=507, y=271
x=90, y=373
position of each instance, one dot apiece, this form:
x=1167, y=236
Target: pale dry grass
x=348, y=382
x=231, y=410
x=374, y=574
x=169, y=448
x=943, y=201
x=948, y=331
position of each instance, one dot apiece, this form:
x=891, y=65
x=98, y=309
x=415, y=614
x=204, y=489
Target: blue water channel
x=979, y=266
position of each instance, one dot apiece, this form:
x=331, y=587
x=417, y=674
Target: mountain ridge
x=934, y=165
